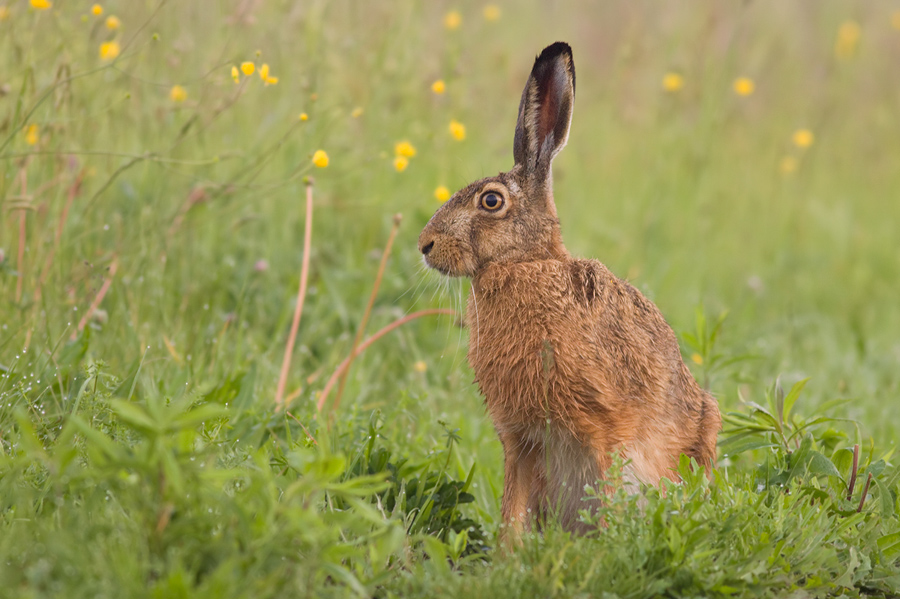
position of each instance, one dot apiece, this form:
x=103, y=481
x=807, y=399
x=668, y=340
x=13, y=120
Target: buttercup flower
x=96, y=10
x=438, y=86
x=357, y=112
x=113, y=22
x=441, y=193
x=452, y=20
x=491, y=12
x=235, y=74
x=109, y=50
x=320, y=159
x=457, y=130
x=32, y=135
x=304, y=116
x=247, y=68
x=672, y=82
x=697, y=358
x=41, y=4
x=803, y=138
x=264, y=75
x=404, y=148
x=178, y=94
x=787, y=165
x=744, y=86
x=400, y=163
x=847, y=39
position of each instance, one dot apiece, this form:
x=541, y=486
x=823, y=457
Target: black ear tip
x=549, y=56
x=554, y=50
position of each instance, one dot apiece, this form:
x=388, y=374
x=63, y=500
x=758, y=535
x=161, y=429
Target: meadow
x=736, y=161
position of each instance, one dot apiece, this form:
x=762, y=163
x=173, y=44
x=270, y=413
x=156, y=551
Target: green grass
x=143, y=456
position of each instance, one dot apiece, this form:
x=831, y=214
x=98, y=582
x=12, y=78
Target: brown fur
x=575, y=364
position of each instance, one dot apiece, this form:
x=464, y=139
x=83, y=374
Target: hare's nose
x=426, y=248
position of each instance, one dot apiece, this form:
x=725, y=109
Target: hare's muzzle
x=440, y=252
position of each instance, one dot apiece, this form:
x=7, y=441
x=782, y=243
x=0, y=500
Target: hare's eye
x=491, y=201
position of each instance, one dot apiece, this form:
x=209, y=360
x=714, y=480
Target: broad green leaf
x=819, y=465
x=843, y=461
x=885, y=498
x=748, y=444
x=890, y=544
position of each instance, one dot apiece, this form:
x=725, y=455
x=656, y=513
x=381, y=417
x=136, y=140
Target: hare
x=575, y=364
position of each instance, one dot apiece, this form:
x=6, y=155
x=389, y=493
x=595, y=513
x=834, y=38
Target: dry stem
x=365, y=320
x=865, y=492
x=853, y=471
x=20, y=259
x=362, y=347
x=100, y=295
x=301, y=295
x=63, y=217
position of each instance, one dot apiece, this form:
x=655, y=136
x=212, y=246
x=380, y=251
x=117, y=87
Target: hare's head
x=511, y=217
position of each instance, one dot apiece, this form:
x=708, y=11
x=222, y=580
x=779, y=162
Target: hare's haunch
x=575, y=364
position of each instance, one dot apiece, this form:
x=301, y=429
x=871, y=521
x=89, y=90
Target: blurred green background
x=735, y=157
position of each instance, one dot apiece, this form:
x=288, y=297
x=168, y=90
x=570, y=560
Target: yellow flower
x=404, y=148
x=264, y=75
x=178, y=93
x=32, y=135
x=4, y=13
x=803, y=138
x=672, y=82
x=96, y=10
x=787, y=165
x=41, y=4
x=420, y=366
x=697, y=358
x=357, y=112
x=109, y=50
x=847, y=40
x=304, y=116
x=438, y=86
x=235, y=74
x=400, y=163
x=441, y=193
x=320, y=159
x=744, y=86
x=452, y=20
x=457, y=130
x=895, y=20
x=247, y=68
x=491, y=12
x=113, y=22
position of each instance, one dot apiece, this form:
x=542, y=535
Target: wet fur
x=575, y=364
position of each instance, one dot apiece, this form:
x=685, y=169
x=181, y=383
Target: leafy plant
x=702, y=343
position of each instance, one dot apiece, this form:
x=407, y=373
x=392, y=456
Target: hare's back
x=570, y=329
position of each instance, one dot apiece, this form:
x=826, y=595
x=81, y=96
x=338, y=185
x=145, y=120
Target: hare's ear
x=545, y=111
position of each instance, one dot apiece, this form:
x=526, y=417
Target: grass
x=143, y=455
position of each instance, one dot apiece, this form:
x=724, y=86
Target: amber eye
x=491, y=201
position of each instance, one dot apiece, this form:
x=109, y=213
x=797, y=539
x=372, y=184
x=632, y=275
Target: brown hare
x=575, y=364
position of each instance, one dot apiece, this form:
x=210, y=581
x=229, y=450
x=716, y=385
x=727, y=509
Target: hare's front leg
x=521, y=483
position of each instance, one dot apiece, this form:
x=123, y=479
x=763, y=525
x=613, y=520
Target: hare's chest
x=520, y=346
